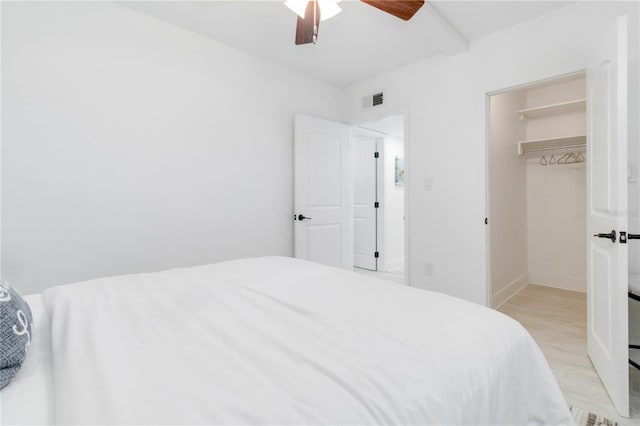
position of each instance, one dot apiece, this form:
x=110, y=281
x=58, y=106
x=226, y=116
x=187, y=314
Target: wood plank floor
x=396, y=276
x=557, y=320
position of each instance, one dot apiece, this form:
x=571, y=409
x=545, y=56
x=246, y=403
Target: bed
x=275, y=340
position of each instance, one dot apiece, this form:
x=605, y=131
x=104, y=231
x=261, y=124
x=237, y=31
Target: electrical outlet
x=428, y=269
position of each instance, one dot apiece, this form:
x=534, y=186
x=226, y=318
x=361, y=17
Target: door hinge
x=376, y=205
x=376, y=155
x=376, y=255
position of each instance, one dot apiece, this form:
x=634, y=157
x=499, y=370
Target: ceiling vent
x=370, y=101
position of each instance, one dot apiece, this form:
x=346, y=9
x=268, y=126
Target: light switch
x=428, y=184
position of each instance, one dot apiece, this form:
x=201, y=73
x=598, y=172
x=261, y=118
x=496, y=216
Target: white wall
x=446, y=100
x=393, y=207
x=131, y=145
x=507, y=197
x=556, y=194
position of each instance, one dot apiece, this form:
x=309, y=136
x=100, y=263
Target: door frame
x=487, y=168
x=362, y=132
x=381, y=114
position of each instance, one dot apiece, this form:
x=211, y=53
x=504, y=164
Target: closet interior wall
x=507, y=197
x=556, y=194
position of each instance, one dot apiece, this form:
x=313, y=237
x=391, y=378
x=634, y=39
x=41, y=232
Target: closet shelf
x=560, y=108
x=552, y=143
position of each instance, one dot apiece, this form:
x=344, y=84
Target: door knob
x=611, y=236
x=302, y=217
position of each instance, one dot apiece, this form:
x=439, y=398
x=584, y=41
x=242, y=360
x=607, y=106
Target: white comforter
x=283, y=341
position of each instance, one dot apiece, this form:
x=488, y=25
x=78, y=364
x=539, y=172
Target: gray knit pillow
x=15, y=333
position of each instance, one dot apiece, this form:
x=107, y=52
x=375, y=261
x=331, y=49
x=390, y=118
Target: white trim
x=395, y=264
x=510, y=290
x=489, y=300
x=407, y=175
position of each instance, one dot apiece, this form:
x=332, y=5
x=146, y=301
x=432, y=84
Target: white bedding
x=283, y=341
x=28, y=400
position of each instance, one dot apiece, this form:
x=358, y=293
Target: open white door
x=607, y=257
x=322, y=192
x=365, y=180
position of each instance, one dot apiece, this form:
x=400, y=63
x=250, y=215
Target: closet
x=537, y=187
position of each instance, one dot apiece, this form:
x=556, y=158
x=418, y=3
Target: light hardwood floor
x=557, y=320
x=396, y=276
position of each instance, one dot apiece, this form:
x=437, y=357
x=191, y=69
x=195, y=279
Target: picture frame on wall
x=399, y=171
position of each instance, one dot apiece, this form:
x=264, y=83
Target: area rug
x=585, y=418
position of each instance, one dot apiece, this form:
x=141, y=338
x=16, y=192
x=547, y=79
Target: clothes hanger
x=543, y=160
x=569, y=158
x=553, y=159
x=572, y=159
x=563, y=159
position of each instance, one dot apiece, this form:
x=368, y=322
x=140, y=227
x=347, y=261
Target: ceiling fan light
x=298, y=6
x=328, y=9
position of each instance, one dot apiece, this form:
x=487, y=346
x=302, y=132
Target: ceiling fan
x=310, y=13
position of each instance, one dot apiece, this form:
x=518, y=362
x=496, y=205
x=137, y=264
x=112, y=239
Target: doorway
x=379, y=197
x=537, y=187
x=538, y=165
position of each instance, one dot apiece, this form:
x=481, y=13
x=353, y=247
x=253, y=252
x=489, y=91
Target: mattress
x=28, y=400
x=275, y=341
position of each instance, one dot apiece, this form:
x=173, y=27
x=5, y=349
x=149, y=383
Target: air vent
x=374, y=100
x=378, y=99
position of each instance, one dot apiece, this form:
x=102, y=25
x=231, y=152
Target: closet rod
x=551, y=148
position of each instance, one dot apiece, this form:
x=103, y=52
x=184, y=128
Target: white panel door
x=364, y=198
x=322, y=192
x=607, y=259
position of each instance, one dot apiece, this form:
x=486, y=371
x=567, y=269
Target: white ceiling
x=475, y=19
x=358, y=43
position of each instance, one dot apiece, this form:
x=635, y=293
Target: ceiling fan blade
x=403, y=9
x=307, y=28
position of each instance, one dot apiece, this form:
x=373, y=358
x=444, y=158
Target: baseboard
x=561, y=283
x=395, y=264
x=510, y=290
